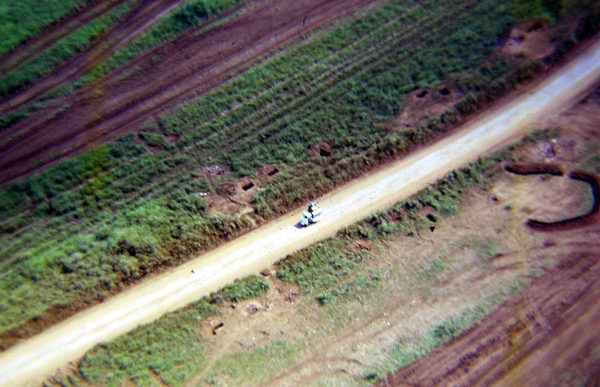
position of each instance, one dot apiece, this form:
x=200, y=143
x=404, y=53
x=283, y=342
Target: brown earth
x=530, y=40
x=237, y=196
x=190, y=66
x=135, y=23
x=547, y=334
x=397, y=181
x=41, y=42
x=427, y=103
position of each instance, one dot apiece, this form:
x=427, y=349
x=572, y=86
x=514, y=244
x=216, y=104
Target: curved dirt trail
x=28, y=362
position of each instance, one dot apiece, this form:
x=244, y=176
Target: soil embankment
x=556, y=170
x=546, y=330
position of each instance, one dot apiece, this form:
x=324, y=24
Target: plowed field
x=189, y=66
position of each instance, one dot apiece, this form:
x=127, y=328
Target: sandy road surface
x=30, y=361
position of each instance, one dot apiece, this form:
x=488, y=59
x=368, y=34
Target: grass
x=168, y=348
x=259, y=365
x=405, y=354
x=84, y=228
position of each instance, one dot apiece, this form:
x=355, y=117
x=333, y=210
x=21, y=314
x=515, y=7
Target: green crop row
x=189, y=15
x=62, y=51
x=193, y=13
x=22, y=20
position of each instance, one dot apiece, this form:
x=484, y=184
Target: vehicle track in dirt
x=545, y=331
x=191, y=65
x=135, y=23
x=30, y=361
x=33, y=47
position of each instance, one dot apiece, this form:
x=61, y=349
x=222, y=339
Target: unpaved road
x=27, y=363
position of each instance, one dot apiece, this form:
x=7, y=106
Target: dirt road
x=30, y=361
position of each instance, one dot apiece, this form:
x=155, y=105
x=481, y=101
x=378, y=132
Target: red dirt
x=530, y=40
x=36, y=45
x=135, y=23
x=547, y=330
x=191, y=65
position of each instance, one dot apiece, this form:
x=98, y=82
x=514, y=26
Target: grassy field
x=89, y=226
x=62, y=51
x=20, y=23
x=191, y=14
x=327, y=275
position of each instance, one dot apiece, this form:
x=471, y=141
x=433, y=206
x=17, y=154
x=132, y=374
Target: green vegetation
x=191, y=14
x=20, y=22
x=88, y=226
x=169, y=347
x=318, y=269
x=63, y=50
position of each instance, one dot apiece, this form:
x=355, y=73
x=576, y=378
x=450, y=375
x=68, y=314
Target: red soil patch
x=321, y=149
x=530, y=40
x=426, y=103
x=547, y=330
x=268, y=172
x=359, y=245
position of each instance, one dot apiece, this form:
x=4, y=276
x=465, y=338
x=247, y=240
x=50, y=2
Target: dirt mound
x=268, y=172
x=556, y=170
x=360, y=245
x=530, y=40
x=534, y=168
x=426, y=103
x=321, y=149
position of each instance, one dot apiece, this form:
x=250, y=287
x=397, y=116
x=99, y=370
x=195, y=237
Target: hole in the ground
x=217, y=327
x=445, y=91
x=536, y=26
x=431, y=217
x=324, y=152
x=422, y=93
x=247, y=186
x=273, y=171
x=432, y=228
